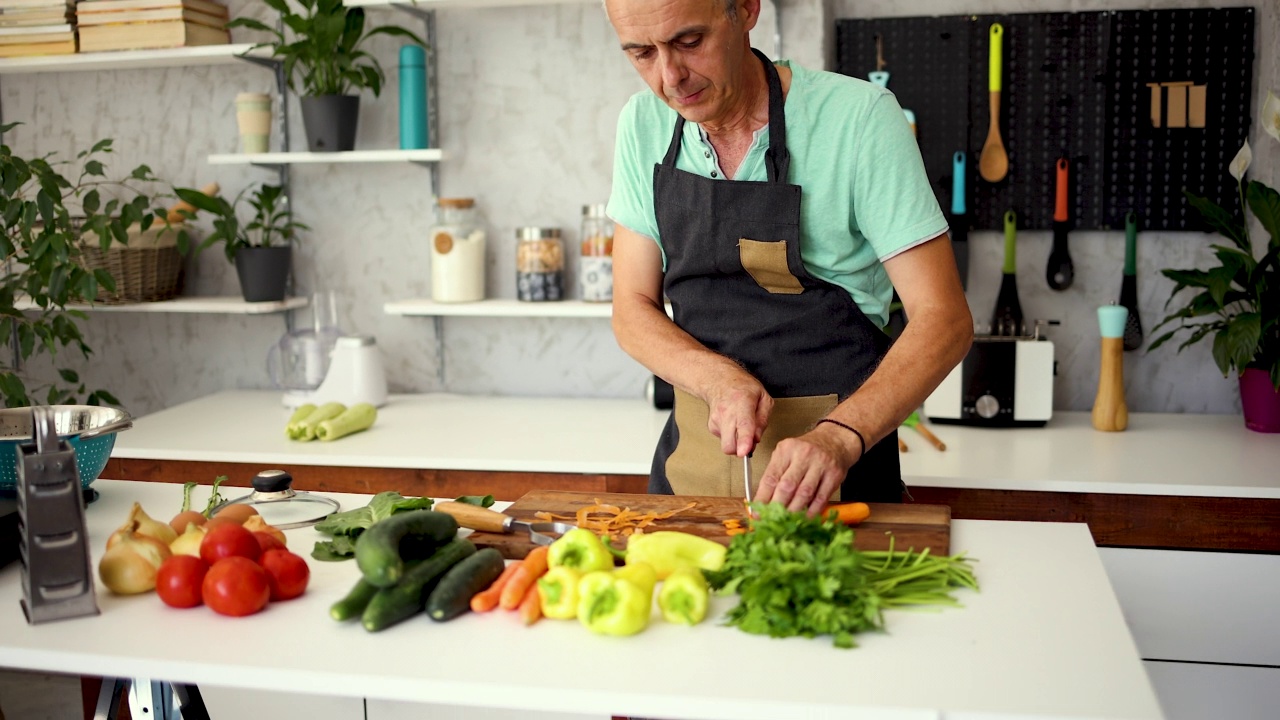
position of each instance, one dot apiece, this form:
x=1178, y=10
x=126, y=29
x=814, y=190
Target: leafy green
x=481, y=500
x=214, y=497
x=346, y=526
x=341, y=547
x=796, y=575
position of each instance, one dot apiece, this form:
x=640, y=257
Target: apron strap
x=777, y=159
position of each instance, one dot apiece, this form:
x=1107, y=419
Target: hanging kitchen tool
x=1061, y=271
x=280, y=505
x=993, y=163
x=475, y=517
x=960, y=217
x=880, y=77
x=1007, y=318
x=1129, y=285
x=914, y=422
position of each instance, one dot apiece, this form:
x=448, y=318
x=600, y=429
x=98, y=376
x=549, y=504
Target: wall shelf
x=442, y=4
x=209, y=305
x=313, y=158
x=499, y=308
x=135, y=59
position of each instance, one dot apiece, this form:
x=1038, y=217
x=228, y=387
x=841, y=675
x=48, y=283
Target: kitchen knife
x=1129, y=285
x=1007, y=318
x=1061, y=271
x=746, y=475
x=475, y=517
x=960, y=217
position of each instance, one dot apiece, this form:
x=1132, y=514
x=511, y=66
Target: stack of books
x=37, y=27
x=150, y=24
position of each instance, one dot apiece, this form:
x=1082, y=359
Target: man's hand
x=805, y=471
x=740, y=410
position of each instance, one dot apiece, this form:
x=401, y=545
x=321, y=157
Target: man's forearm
x=646, y=333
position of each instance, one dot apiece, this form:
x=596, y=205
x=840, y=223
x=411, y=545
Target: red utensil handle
x=1060, y=207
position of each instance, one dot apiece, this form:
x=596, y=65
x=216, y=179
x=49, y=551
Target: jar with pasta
x=457, y=252
x=595, y=264
x=539, y=264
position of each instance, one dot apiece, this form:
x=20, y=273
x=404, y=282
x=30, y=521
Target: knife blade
x=746, y=475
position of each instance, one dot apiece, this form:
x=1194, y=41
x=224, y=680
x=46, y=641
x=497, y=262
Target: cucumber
x=407, y=597
x=298, y=416
x=453, y=593
x=381, y=551
x=354, y=603
x=354, y=419
x=306, y=429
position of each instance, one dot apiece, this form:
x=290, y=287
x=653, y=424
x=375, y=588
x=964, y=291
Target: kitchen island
x=1043, y=638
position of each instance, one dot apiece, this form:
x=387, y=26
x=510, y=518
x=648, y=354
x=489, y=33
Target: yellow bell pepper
x=666, y=551
x=558, y=592
x=684, y=596
x=581, y=550
x=616, y=602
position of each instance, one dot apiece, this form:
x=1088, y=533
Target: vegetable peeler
x=483, y=519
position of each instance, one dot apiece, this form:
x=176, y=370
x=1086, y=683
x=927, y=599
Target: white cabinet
x=225, y=703
x=390, y=710
x=1194, y=691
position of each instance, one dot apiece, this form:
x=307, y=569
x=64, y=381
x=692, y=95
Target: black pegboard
x=1075, y=86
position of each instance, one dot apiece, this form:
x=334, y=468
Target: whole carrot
x=487, y=599
x=531, y=606
x=531, y=568
x=850, y=513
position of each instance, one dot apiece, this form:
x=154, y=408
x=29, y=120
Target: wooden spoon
x=993, y=164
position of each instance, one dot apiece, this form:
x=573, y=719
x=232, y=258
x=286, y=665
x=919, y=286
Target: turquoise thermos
x=413, y=98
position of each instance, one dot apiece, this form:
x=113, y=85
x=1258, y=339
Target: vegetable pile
x=345, y=527
x=796, y=575
x=329, y=421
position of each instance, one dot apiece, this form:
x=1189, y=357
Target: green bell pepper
x=581, y=550
x=558, y=592
x=666, y=551
x=610, y=603
x=684, y=596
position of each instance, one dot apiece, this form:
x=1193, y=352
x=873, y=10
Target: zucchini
x=406, y=598
x=354, y=603
x=381, y=551
x=360, y=416
x=452, y=595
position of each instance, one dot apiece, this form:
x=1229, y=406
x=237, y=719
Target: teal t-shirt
x=865, y=195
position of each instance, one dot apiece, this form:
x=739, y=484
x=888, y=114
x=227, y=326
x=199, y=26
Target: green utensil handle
x=997, y=59
x=1010, y=242
x=1131, y=243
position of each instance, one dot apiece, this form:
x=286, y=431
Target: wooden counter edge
x=1116, y=520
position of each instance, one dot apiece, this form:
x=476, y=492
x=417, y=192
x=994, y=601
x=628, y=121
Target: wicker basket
x=144, y=274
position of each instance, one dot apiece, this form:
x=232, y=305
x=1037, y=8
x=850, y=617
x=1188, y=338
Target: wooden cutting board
x=917, y=526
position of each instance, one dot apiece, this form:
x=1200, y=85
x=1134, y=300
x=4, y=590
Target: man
x=776, y=208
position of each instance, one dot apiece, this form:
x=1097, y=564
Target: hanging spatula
x=1007, y=318
x=1061, y=271
x=959, y=216
x=1129, y=285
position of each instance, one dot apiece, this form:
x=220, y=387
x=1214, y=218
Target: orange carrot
x=531, y=568
x=531, y=606
x=487, y=599
x=850, y=513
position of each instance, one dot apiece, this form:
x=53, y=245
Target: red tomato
x=180, y=579
x=226, y=541
x=267, y=541
x=236, y=586
x=286, y=572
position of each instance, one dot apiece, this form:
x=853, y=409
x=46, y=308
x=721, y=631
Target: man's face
x=689, y=52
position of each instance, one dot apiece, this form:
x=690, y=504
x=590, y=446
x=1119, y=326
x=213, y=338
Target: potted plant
x=45, y=215
x=1237, y=301
x=261, y=249
x=323, y=61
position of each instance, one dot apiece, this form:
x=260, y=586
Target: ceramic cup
x=253, y=115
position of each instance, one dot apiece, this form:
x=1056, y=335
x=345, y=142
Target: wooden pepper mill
x=1110, y=413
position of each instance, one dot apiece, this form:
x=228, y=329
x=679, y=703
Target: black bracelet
x=846, y=427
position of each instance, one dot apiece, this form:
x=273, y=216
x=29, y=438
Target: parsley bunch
x=797, y=575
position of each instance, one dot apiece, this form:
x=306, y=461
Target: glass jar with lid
x=539, y=264
x=457, y=252
x=595, y=264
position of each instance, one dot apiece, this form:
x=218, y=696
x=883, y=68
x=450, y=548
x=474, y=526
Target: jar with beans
x=595, y=264
x=539, y=264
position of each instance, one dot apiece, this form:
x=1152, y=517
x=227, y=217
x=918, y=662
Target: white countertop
x=1160, y=454
x=1044, y=638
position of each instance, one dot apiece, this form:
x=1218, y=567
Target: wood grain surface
x=917, y=526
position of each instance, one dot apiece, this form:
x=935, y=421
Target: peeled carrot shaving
x=734, y=531
x=611, y=521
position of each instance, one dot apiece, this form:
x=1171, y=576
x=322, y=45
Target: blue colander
x=89, y=429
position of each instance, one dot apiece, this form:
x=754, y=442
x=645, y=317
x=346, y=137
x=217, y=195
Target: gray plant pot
x=264, y=272
x=330, y=122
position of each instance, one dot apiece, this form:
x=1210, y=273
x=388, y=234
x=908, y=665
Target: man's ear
x=748, y=13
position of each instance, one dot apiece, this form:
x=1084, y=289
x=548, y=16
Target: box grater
x=57, y=575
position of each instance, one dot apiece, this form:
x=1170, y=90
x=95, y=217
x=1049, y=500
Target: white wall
x=528, y=101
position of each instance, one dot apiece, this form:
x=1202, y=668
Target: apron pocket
x=766, y=262
x=698, y=467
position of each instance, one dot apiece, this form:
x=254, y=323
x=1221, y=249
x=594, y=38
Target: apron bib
x=737, y=284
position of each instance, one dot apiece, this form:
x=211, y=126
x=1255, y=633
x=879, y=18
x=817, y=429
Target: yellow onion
x=188, y=543
x=144, y=524
x=129, y=566
x=255, y=523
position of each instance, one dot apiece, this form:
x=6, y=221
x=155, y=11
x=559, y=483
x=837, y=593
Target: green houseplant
x=261, y=248
x=46, y=213
x=1237, y=301
x=324, y=61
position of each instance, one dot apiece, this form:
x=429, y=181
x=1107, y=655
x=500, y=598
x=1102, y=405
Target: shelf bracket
x=438, y=323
